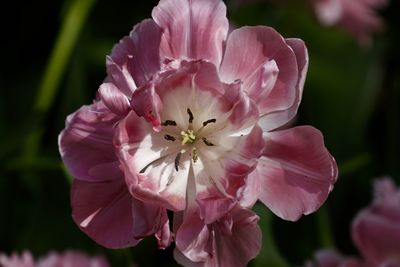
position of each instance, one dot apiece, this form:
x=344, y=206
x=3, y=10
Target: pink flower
x=53, y=259
x=186, y=121
x=358, y=17
x=25, y=259
x=375, y=232
x=376, y=229
x=331, y=258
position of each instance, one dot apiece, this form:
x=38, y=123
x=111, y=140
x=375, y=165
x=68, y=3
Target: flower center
x=188, y=137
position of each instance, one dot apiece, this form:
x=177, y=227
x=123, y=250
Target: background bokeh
x=53, y=60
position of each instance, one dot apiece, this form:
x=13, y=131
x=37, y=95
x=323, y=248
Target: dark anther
x=208, y=143
x=190, y=115
x=177, y=159
x=209, y=121
x=168, y=122
x=169, y=137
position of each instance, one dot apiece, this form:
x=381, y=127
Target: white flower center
x=188, y=137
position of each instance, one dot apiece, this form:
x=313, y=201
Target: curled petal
x=114, y=99
x=193, y=29
x=300, y=50
x=86, y=144
x=296, y=172
x=146, y=103
x=119, y=73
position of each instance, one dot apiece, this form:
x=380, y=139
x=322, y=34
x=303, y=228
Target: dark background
x=352, y=95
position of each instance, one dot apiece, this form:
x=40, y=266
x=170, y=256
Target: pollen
x=188, y=137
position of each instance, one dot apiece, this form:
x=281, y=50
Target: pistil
x=188, y=137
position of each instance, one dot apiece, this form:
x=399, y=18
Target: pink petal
x=164, y=234
x=193, y=238
x=117, y=67
x=146, y=38
x=254, y=55
x=232, y=241
x=301, y=53
x=244, y=242
x=147, y=164
x=296, y=172
x=114, y=99
x=103, y=210
x=251, y=190
x=135, y=59
x=193, y=29
x=150, y=219
x=215, y=201
x=86, y=144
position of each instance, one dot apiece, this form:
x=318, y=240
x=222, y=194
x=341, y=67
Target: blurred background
x=53, y=55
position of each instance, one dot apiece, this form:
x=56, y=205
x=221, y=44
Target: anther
x=190, y=115
x=177, y=159
x=169, y=137
x=169, y=122
x=209, y=121
x=208, y=143
x=195, y=156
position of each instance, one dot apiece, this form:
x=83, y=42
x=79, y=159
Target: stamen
x=209, y=121
x=177, y=159
x=195, y=156
x=188, y=137
x=169, y=137
x=208, y=143
x=190, y=115
x=168, y=122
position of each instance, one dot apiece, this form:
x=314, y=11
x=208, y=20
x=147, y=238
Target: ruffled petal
x=136, y=58
x=260, y=57
x=231, y=241
x=239, y=241
x=296, y=172
x=86, y=144
x=193, y=29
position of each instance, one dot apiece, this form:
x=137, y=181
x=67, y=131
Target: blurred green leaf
x=72, y=24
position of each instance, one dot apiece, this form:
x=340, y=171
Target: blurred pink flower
x=53, y=259
x=358, y=17
x=375, y=232
x=187, y=121
x=24, y=259
x=376, y=229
